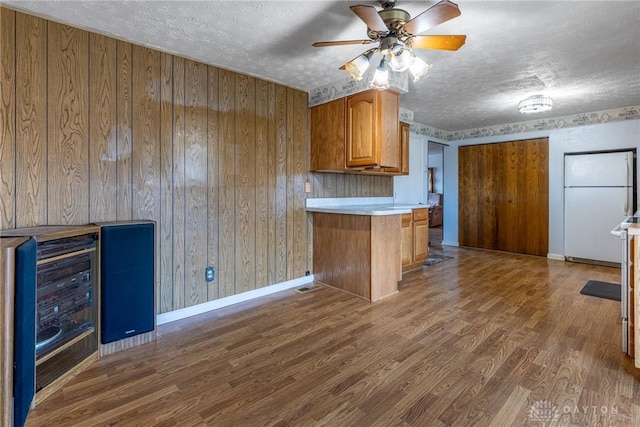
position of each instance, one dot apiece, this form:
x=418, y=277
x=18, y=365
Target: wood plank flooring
x=485, y=338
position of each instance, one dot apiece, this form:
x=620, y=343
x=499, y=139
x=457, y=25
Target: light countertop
x=373, y=206
x=634, y=229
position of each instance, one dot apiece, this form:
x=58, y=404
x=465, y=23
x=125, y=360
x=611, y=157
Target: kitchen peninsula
x=357, y=244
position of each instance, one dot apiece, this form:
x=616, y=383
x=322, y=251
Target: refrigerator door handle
x=626, y=200
x=629, y=175
x=627, y=159
x=626, y=206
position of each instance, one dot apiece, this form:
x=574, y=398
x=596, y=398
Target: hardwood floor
x=485, y=338
x=435, y=239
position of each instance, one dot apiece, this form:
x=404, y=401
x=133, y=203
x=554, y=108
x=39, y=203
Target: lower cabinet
x=63, y=311
x=420, y=234
x=415, y=238
x=358, y=254
x=407, y=240
x=52, y=304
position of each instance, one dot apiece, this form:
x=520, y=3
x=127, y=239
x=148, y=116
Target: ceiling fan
x=397, y=35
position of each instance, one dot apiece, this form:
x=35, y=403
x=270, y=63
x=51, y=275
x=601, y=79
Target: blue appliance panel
x=24, y=341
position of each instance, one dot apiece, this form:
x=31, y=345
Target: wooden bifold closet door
x=504, y=196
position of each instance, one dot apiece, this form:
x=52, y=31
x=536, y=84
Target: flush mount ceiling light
x=535, y=104
x=397, y=34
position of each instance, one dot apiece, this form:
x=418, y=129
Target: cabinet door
x=404, y=148
x=420, y=234
x=389, y=128
x=407, y=240
x=373, y=129
x=327, y=136
x=24, y=355
x=363, y=139
x=403, y=151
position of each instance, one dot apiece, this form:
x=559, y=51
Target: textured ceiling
x=584, y=54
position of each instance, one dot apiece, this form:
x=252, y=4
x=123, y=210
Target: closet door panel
x=503, y=196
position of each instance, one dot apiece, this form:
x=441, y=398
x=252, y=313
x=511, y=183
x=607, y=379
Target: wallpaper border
x=399, y=82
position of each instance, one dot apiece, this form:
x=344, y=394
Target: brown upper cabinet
x=359, y=133
x=373, y=129
x=403, y=152
x=328, y=126
x=405, y=131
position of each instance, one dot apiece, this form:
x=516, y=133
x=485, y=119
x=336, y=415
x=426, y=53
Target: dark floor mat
x=602, y=290
x=436, y=259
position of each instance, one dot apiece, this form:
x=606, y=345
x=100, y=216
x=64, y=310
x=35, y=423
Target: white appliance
x=625, y=276
x=598, y=192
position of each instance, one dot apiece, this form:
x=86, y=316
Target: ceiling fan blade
x=341, y=42
x=437, y=42
x=370, y=16
x=436, y=14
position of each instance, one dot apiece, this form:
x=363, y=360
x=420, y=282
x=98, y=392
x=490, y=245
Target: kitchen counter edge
x=372, y=210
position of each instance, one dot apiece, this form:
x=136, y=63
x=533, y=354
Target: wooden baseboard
x=413, y=266
x=341, y=290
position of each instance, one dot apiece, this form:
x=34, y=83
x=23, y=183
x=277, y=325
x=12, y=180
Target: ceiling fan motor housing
x=393, y=19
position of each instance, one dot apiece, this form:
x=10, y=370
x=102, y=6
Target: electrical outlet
x=209, y=274
x=307, y=187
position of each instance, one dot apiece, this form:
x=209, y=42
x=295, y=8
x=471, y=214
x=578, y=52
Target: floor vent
x=306, y=289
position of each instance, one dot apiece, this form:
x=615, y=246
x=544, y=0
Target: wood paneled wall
x=96, y=129
x=350, y=185
x=504, y=196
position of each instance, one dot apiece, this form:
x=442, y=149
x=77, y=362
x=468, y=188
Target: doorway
x=435, y=192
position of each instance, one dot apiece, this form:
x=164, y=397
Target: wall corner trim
x=183, y=313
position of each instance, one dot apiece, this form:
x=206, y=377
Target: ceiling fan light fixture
x=397, y=48
x=402, y=60
x=535, y=104
x=358, y=66
x=419, y=68
x=380, y=78
x=397, y=35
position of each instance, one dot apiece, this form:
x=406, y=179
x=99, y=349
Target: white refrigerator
x=598, y=192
